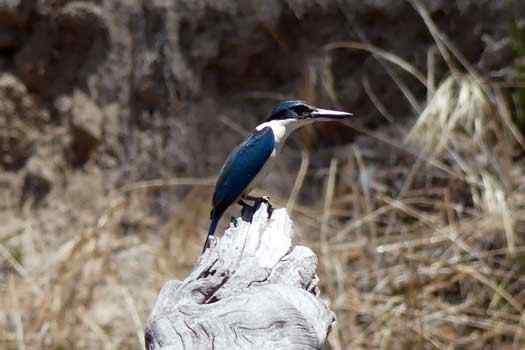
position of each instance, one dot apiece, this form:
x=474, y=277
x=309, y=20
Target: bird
x=249, y=162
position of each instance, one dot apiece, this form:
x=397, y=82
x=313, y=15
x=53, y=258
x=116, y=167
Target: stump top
x=252, y=289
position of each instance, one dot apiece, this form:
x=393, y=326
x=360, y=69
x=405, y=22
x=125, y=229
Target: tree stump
x=253, y=289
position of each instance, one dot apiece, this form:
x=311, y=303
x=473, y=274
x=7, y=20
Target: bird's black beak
x=327, y=114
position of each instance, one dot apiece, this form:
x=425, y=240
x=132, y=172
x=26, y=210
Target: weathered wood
x=253, y=289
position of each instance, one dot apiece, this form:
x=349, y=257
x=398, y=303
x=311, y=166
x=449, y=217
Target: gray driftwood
x=253, y=289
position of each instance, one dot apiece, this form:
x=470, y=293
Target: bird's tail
x=211, y=232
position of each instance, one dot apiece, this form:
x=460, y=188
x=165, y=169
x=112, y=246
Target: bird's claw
x=247, y=213
x=269, y=210
x=248, y=210
x=266, y=199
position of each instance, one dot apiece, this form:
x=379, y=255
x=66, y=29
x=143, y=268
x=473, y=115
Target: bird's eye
x=301, y=109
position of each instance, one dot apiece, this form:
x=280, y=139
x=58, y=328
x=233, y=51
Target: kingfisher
x=251, y=161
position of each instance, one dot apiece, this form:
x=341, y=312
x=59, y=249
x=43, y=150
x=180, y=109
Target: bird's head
x=301, y=112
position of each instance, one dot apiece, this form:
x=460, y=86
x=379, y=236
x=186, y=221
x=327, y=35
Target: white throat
x=282, y=129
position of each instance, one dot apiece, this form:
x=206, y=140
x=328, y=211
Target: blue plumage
x=241, y=167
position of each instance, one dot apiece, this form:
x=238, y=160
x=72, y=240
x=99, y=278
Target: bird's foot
x=259, y=201
x=269, y=207
x=248, y=210
x=265, y=199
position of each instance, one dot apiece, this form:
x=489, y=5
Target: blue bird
x=249, y=162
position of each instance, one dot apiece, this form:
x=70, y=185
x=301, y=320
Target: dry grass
x=430, y=269
x=416, y=252
x=433, y=255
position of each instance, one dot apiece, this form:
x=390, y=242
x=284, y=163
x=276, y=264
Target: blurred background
x=115, y=117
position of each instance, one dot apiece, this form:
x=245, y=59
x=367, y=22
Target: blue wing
x=241, y=167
